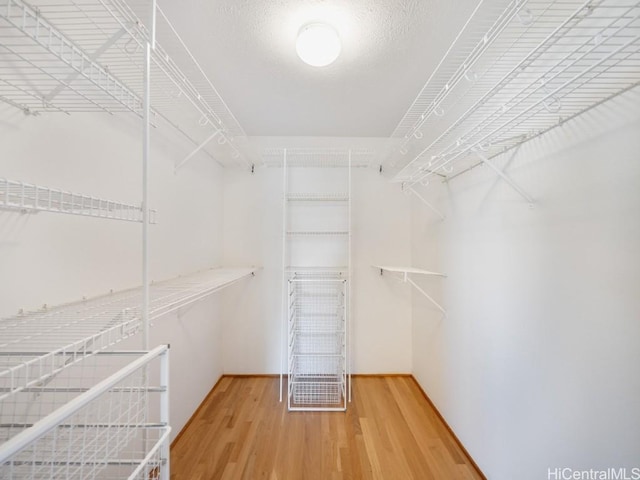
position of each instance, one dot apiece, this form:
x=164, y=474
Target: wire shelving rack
x=513, y=75
x=89, y=56
x=35, y=347
x=316, y=254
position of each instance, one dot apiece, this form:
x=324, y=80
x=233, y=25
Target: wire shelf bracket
x=405, y=272
x=412, y=191
x=506, y=178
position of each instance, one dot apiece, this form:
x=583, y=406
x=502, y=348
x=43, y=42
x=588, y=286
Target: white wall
x=54, y=258
x=536, y=364
x=381, y=315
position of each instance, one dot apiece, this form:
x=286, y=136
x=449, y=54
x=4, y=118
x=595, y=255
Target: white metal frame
x=299, y=275
x=514, y=75
x=104, y=427
x=99, y=56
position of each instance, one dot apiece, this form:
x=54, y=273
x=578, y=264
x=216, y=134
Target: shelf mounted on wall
x=37, y=346
x=405, y=273
x=490, y=94
x=28, y=198
x=91, y=56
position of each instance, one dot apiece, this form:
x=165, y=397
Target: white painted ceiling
x=247, y=48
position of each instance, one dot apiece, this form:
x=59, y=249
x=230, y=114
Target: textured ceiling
x=247, y=48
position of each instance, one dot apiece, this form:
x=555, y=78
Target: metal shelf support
x=412, y=190
x=506, y=178
x=405, y=271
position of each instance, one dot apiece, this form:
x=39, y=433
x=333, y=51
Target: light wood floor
x=388, y=432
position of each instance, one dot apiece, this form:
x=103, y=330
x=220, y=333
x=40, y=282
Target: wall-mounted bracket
x=197, y=149
x=405, y=271
x=506, y=178
x=422, y=199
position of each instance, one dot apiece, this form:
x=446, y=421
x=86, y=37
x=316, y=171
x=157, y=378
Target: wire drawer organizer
x=317, y=342
x=116, y=429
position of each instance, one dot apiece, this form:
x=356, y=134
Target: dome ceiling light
x=318, y=44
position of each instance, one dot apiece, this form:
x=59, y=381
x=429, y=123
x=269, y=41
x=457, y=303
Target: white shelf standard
x=28, y=198
x=405, y=272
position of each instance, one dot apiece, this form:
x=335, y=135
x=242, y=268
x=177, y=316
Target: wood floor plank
x=389, y=431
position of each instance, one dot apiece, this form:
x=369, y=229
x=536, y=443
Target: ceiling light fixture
x=318, y=44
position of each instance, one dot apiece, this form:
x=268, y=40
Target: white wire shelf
x=514, y=75
x=315, y=269
x=317, y=233
x=27, y=198
x=319, y=157
x=418, y=271
x=318, y=197
x=37, y=346
x=87, y=56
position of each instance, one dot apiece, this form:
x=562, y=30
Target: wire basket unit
x=117, y=428
x=317, y=332
x=513, y=74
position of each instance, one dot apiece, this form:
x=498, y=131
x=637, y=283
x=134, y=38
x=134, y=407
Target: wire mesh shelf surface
x=28, y=198
x=318, y=197
x=319, y=157
x=36, y=346
x=107, y=431
x=89, y=56
x=318, y=393
x=515, y=74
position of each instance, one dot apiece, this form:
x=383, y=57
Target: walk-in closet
x=308, y=240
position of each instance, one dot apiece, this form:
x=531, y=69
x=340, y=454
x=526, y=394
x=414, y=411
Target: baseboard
x=449, y=429
x=196, y=411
